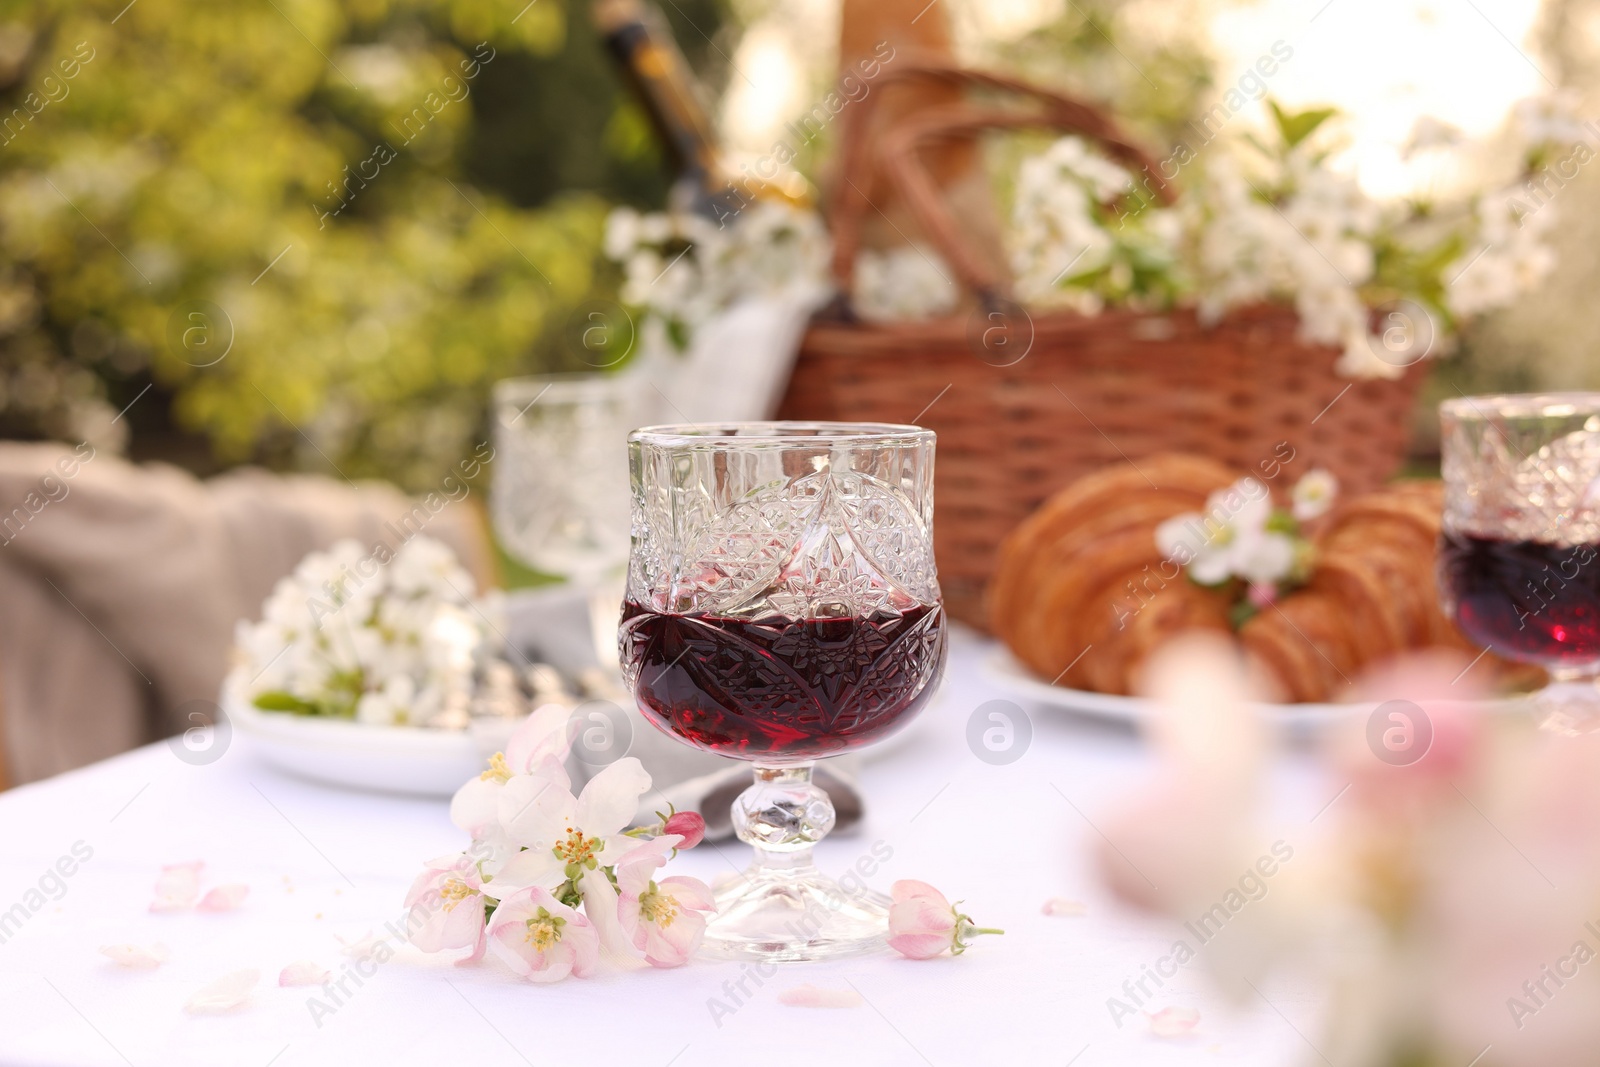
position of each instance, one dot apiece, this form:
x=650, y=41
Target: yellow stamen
x=454, y=892
x=498, y=771
x=544, y=930
x=657, y=907
x=575, y=848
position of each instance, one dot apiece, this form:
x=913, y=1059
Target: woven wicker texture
x=1089, y=391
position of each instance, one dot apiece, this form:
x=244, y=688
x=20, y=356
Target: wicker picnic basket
x=1026, y=403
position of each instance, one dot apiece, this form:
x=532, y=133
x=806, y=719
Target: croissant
x=1083, y=596
x=1372, y=595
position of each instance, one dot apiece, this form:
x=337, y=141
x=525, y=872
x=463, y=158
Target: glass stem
x=1570, y=704
x=782, y=815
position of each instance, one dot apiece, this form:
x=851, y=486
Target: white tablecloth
x=323, y=863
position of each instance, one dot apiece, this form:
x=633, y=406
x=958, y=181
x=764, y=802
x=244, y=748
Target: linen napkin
x=120, y=585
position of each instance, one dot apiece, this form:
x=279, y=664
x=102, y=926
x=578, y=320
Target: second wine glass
x=1517, y=566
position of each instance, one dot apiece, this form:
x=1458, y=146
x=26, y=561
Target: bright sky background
x=1384, y=63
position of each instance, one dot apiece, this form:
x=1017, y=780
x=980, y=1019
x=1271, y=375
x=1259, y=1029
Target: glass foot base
x=794, y=913
x=1568, y=707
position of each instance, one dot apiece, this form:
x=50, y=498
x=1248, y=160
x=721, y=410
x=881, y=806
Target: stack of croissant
x=1083, y=594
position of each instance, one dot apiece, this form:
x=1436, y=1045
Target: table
x=324, y=863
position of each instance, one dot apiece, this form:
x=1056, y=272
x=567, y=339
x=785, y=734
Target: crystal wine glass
x=782, y=606
x=560, y=494
x=1517, y=566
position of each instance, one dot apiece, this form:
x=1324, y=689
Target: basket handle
x=849, y=203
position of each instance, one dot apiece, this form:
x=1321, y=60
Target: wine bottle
x=642, y=44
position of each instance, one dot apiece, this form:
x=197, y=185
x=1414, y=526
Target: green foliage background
x=199, y=142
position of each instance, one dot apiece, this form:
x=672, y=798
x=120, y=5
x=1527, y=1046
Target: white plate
x=405, y=759
x=387, y=759
x=1003, y=669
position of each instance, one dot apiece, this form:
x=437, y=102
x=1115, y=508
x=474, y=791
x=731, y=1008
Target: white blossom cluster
x=1255, y=223
x=1513, y=255
x=683, y=268
x=1254, y=226
x=388, y=639
x=902, y=284
x=1314, y=248
x=1064, y=203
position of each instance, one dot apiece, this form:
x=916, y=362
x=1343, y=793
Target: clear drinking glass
x=560, y=494
x=781, y=606
x=1517, y=568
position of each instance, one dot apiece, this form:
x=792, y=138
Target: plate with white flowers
x=373, y=669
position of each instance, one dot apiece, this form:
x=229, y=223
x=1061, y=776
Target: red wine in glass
x=1527, y=600
x=777, y=689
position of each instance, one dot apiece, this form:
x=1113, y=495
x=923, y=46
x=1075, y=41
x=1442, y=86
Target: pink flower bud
x=688, y=825
x=1262, y=594
x=923, y=924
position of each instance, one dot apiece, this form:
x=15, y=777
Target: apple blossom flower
x=923, y=924
x=1313, y=494
x=565, y=837
x=475, y=807
x=541, y=938
x=1231, y=538
x=449, y=895
x=664, y=919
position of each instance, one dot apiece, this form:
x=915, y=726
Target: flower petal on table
x=810, y=996
x=136, y=957
x=1174, y=1022
x=177, y=888
x=225, y=994
x=304, y=972
x=360, y=949
x=224, y=897
x=1061, y=906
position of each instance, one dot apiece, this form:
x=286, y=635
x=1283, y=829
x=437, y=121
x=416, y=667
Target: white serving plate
x=352, y=755
x=1300, y=720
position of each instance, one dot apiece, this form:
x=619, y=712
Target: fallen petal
x=225, y=994
x=810, y=996
x=1174, y=1022
x=177, y=888
x=304, y=972
x=1061, y=906
x=360, y=949
x=224, y=898
x=136, y=957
